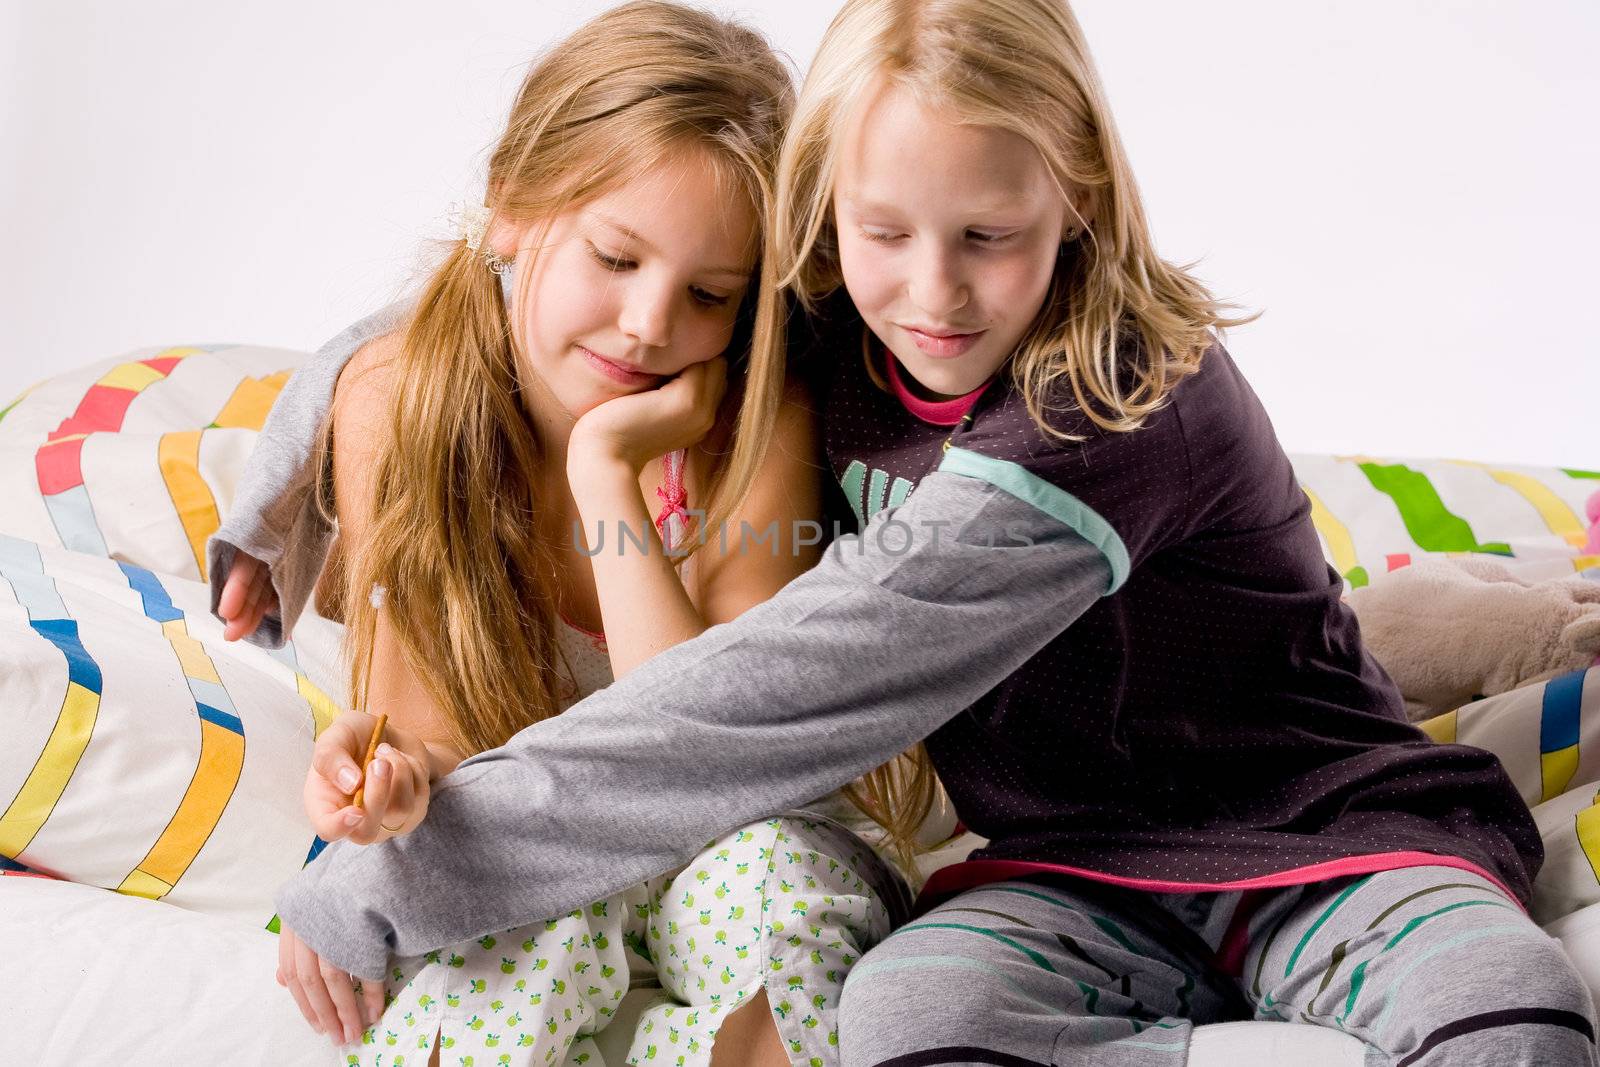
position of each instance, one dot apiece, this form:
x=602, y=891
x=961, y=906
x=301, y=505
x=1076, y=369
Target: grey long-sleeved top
x=1128, y=657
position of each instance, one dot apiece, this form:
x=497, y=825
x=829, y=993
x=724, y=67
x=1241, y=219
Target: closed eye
x=709, y=299
x=988, y=238
x=884, y=237
x=613, y=263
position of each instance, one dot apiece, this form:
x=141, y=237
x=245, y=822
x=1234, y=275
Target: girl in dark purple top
x=1088, y=579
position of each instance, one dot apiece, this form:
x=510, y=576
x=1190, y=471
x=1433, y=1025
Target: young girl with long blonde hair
x=1088, y=579
x=496, y=449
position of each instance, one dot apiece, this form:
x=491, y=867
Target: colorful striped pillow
x=1374, y=515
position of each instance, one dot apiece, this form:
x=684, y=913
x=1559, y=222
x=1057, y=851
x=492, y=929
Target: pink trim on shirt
x=938, y=412
x=601, y=637
x=969, y=874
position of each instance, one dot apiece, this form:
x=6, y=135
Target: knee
x=1526, y=1004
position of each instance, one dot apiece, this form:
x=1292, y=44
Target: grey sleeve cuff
x=275, y=516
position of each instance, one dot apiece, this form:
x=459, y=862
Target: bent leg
x=1032, y=972
x=775, y=913
x=1430, y=966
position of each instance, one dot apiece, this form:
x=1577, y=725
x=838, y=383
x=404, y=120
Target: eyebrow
x=741, y=273
x=868, y=207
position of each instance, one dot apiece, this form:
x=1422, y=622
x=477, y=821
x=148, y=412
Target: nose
x=646, y=315
x=938, y=286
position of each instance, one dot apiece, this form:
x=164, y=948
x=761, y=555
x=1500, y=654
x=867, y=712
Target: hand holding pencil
x=348, y=796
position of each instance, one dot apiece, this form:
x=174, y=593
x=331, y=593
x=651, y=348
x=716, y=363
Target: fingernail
x=348, y=779
x=384, y=749
x=380, y=770
x=353, y=819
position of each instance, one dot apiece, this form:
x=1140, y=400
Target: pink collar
x=938, y=412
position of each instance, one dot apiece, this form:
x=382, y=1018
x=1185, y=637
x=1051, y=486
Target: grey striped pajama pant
x=1429, y=966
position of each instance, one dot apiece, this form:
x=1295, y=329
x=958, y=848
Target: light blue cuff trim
x=1050, y=499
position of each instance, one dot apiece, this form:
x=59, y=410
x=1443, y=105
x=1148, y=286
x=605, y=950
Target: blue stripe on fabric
x=1560, y=717
x=1050, y=499
x=317, y=845
x=72, y=514
x=211, y=693
x=157, y=604
x=220, y=718
x=81, y=667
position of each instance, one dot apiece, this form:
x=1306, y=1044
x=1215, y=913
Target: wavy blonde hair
x=1119, y=327
x=471, y=596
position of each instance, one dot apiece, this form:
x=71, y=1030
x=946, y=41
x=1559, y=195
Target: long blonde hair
x=1119, y=327
x=453, y=538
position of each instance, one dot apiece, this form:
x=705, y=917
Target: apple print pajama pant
x=787, y=905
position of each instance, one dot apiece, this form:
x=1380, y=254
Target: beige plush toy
x=1451, y=630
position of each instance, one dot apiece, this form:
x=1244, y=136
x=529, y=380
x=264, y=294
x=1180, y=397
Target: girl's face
x=632, y=287
x=948, y=236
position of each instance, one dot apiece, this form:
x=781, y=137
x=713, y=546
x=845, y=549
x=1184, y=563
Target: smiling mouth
x=942, y=344
x=617, y=372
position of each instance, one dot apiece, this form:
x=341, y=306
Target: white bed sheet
x=91, y=977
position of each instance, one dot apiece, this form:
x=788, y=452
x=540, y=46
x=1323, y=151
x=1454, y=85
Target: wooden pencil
x=372, y=751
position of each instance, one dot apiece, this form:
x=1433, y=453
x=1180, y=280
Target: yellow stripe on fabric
x=1587, y=825
x=1442, y=728
x=1556, y=771
x=1583, y=563
x=248, y=406
x=140, y=884
x=1340, y=544
x=44, y=785
x=215, y=776
x=131, y=376
x=179, y=457
x=1561, y=519
x=323, y=709
x=192, y=655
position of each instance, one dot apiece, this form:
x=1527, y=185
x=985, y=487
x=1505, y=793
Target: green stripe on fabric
x=1359, y=975
x=1403, y=979
x=1403, y=901
x=1050, y=499
x=1357, y=577
x=1107, y=925
x=1570, y=473
x=1405, y=931
x=1036, y=957
x=1294, y=957
x=867, y=968
x=1434, y=527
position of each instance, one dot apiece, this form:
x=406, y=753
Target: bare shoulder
x=365, y=388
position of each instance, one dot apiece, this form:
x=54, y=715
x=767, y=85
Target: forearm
x=849, y=665
x=643, y=604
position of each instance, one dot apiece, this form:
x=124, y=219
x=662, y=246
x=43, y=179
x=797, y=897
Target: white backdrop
x=1403, y=186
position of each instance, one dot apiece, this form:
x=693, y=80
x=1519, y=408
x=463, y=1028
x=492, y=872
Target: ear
x=1583, y=633
x=1079, y=215
x=504, y=236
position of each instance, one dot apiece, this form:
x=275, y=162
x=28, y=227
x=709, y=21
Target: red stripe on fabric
x=59, y=466
x=1398, y=560
x=972, y=873
x=163, y=364
x=103, y=408
x=1236, y=938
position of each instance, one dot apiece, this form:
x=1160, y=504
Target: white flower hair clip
x=471, y=223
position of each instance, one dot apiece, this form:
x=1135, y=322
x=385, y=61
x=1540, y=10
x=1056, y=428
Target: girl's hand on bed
x=395, y=797
x=326, y=995
x=246, y=597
